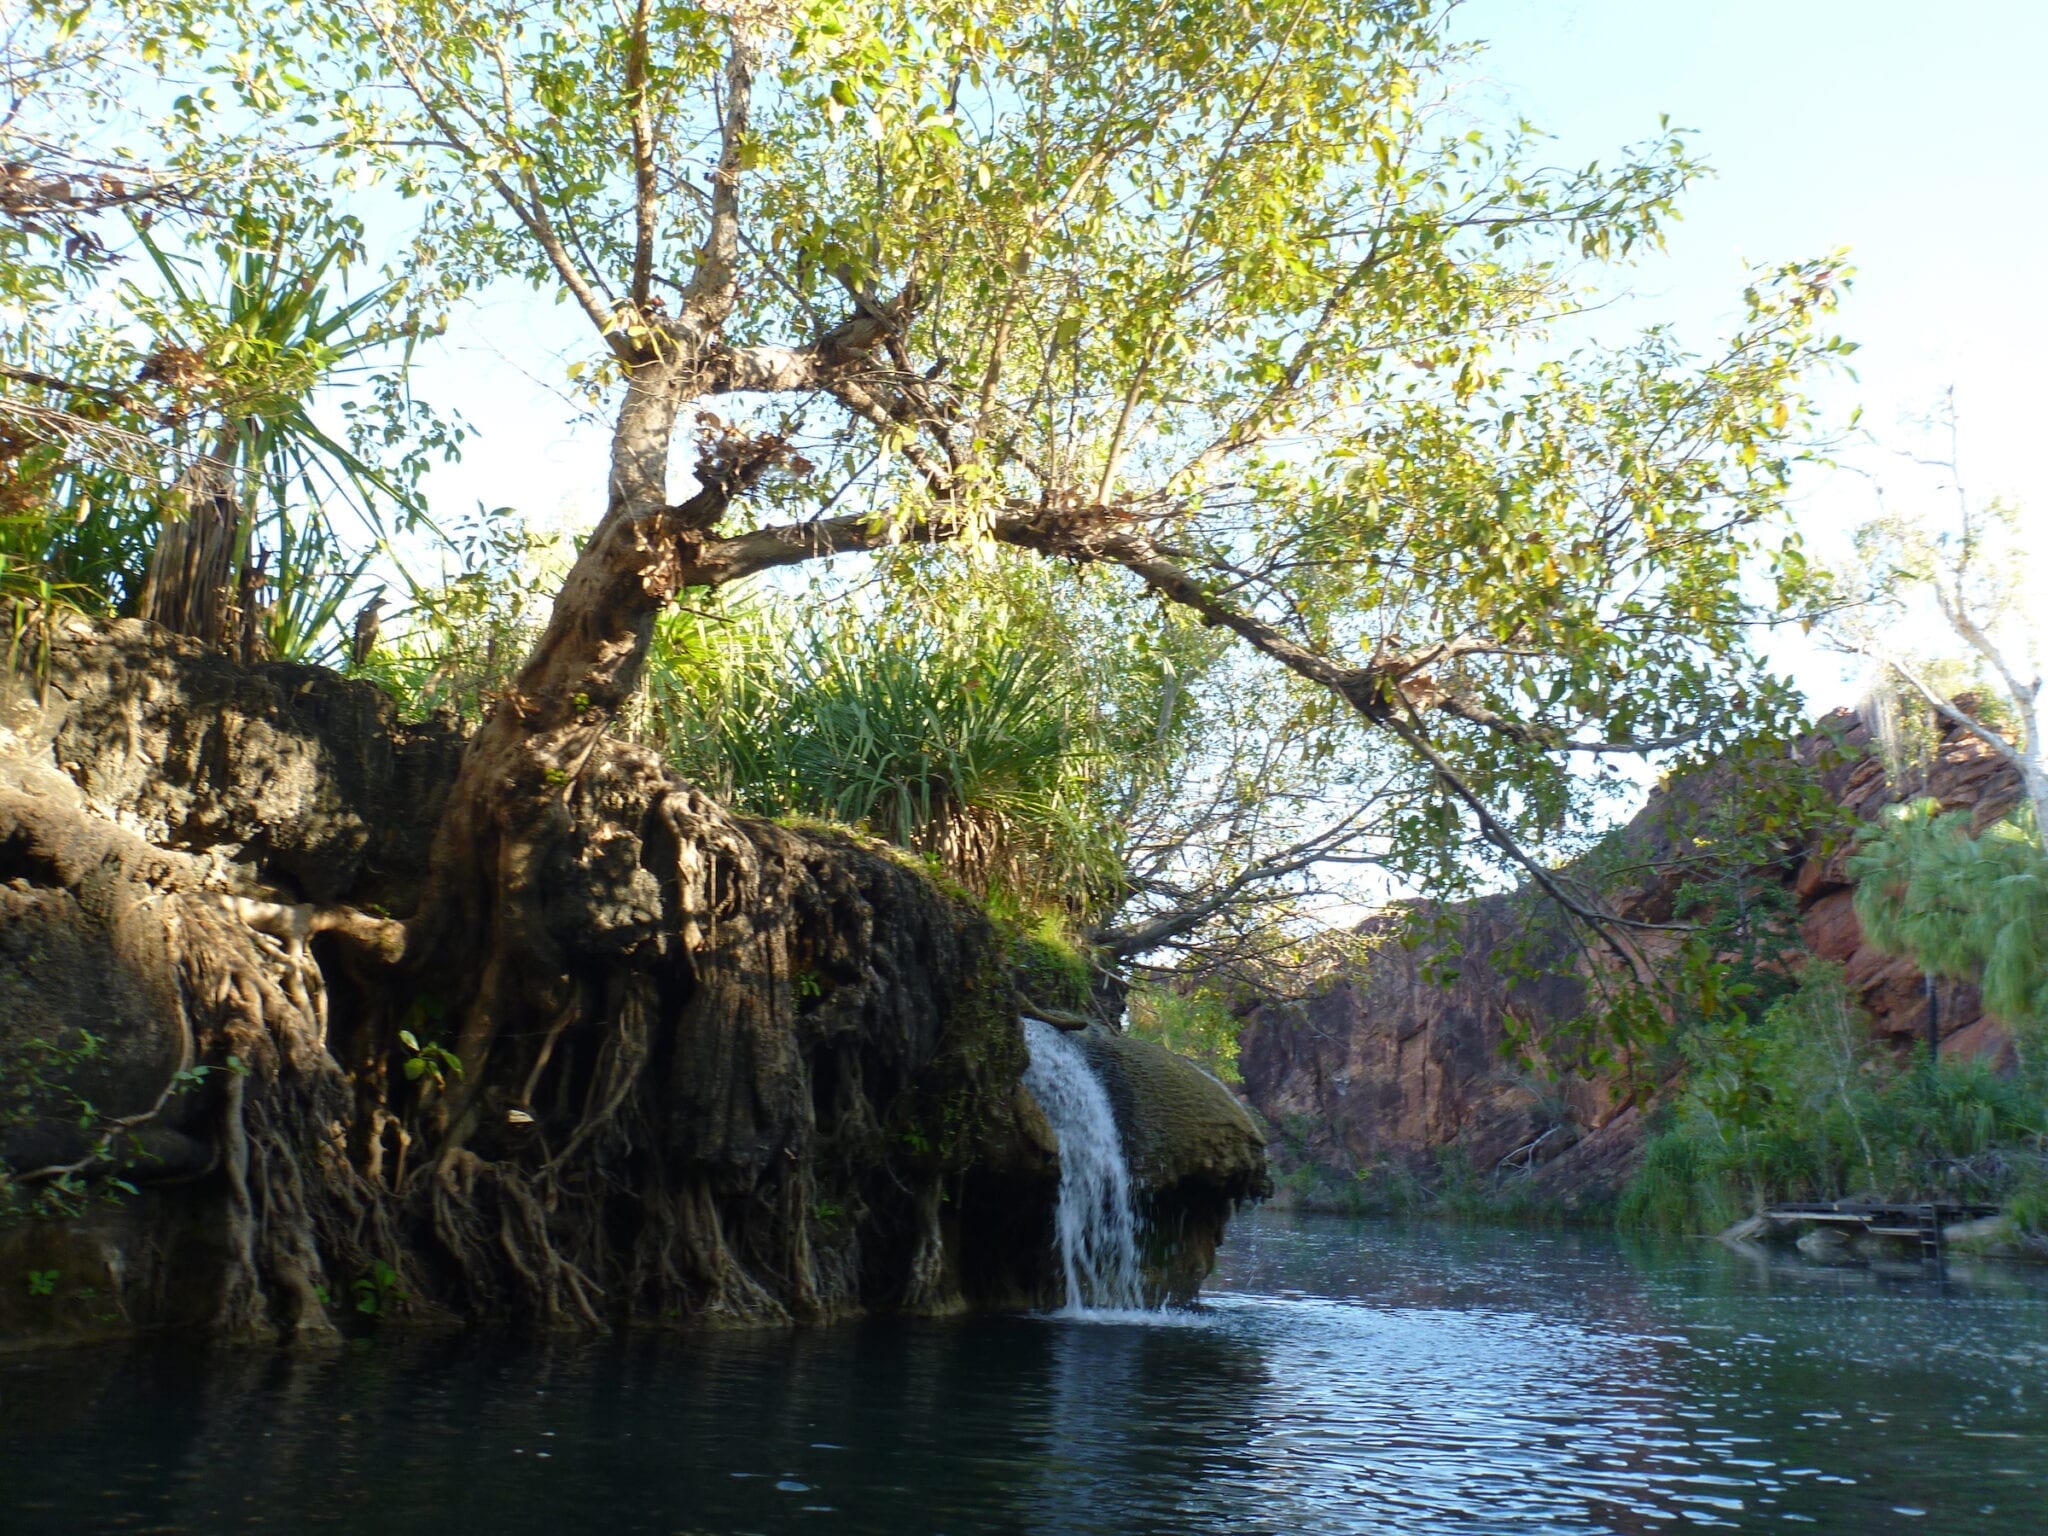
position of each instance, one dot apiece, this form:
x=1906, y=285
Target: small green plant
x=376, y=1289
x=808, y=983
x=39, y=1083
x=430, y=1065
x=43, y=1282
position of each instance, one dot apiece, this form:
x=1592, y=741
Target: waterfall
x=1096, y=1226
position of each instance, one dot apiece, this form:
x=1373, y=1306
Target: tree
x=1223, y=312
x=1970, y=907
x=1220, y=298
x=1975, y=908
x=1972, y=562
x=172, y=318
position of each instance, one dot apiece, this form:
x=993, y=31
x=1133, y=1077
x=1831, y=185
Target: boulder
x=1195, y=1154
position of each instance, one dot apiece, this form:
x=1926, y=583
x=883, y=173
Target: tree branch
x=646, y=193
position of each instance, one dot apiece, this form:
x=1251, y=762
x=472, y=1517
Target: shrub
x=1802, y=1105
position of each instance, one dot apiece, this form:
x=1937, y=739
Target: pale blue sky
x=1903, y=129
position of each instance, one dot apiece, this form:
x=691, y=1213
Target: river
x=1343, y=1377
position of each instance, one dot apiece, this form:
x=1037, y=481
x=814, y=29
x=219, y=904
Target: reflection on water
x=1347, y=1377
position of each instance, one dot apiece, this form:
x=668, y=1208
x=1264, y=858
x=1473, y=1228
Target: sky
x=1904, y=130
x=1901, y=129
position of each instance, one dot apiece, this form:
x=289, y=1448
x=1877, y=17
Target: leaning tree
x=1230, y=298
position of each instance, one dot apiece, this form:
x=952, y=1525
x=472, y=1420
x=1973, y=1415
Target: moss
x=1049, y=967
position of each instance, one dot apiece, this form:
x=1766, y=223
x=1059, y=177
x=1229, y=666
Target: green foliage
x=1974, y=908
x=1719, y=840
x=376, y=1290
x=939, y=727
x=2026, y=1208
x=428, y=1063
x=1196, y=1024
x=1049, y=967
x=253, y=356
x=1680, y=1188
x=1802, y=1105
x=1249, y=275
x=39, y=1084
x=463, y=636
x=1444, y=1186
x=431, y=1064
x=214, y=359
x=1238, y=286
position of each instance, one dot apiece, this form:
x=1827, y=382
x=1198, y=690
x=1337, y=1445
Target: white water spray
x=1096, y=1226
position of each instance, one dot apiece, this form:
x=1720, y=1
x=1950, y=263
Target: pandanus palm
x=256, y=508
x=935, y=736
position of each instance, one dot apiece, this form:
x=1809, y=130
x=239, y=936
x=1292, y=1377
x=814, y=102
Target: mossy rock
x=1050, y=972
x=1195, y=1153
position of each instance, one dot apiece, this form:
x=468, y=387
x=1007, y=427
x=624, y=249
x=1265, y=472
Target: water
x=1348, y=1377
x=1095, y=1226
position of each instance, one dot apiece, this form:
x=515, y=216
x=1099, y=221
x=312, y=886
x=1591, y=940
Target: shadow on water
x=977, y=1425
x=1347, y=1377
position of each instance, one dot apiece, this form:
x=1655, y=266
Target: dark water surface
x=1345, y=1377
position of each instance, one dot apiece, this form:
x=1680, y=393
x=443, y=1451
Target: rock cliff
x=1382, y=1076
x=780, y=1079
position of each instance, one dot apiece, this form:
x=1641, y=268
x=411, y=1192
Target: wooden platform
x=1923, y=1223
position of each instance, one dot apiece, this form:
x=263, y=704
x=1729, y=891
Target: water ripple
x=1344, y=1378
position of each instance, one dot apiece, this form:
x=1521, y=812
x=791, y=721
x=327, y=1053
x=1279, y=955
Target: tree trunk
x=190, y=587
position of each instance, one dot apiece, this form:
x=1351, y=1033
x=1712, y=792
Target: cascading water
x=1096, y=1225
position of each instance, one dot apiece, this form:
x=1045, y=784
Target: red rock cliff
x=1377, y=1065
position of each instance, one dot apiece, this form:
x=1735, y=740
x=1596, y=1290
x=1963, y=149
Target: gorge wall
x=777, y=1077
x=1379, y=1074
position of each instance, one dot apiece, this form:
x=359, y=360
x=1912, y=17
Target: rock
x=1384, y=1065
x=1830, y=1245
x=1195, y=1154
x=1830, y=928
x=803, y=1102
x=1376, y=1065
x=1983, y=1230
x=1751, y=1229
x=1986, y=1040
x=1181, y=1126
x=1818, y=877
x=289, y=770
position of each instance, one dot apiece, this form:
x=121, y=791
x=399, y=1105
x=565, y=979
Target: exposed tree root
x=635, y=1135
x=631, y=1059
